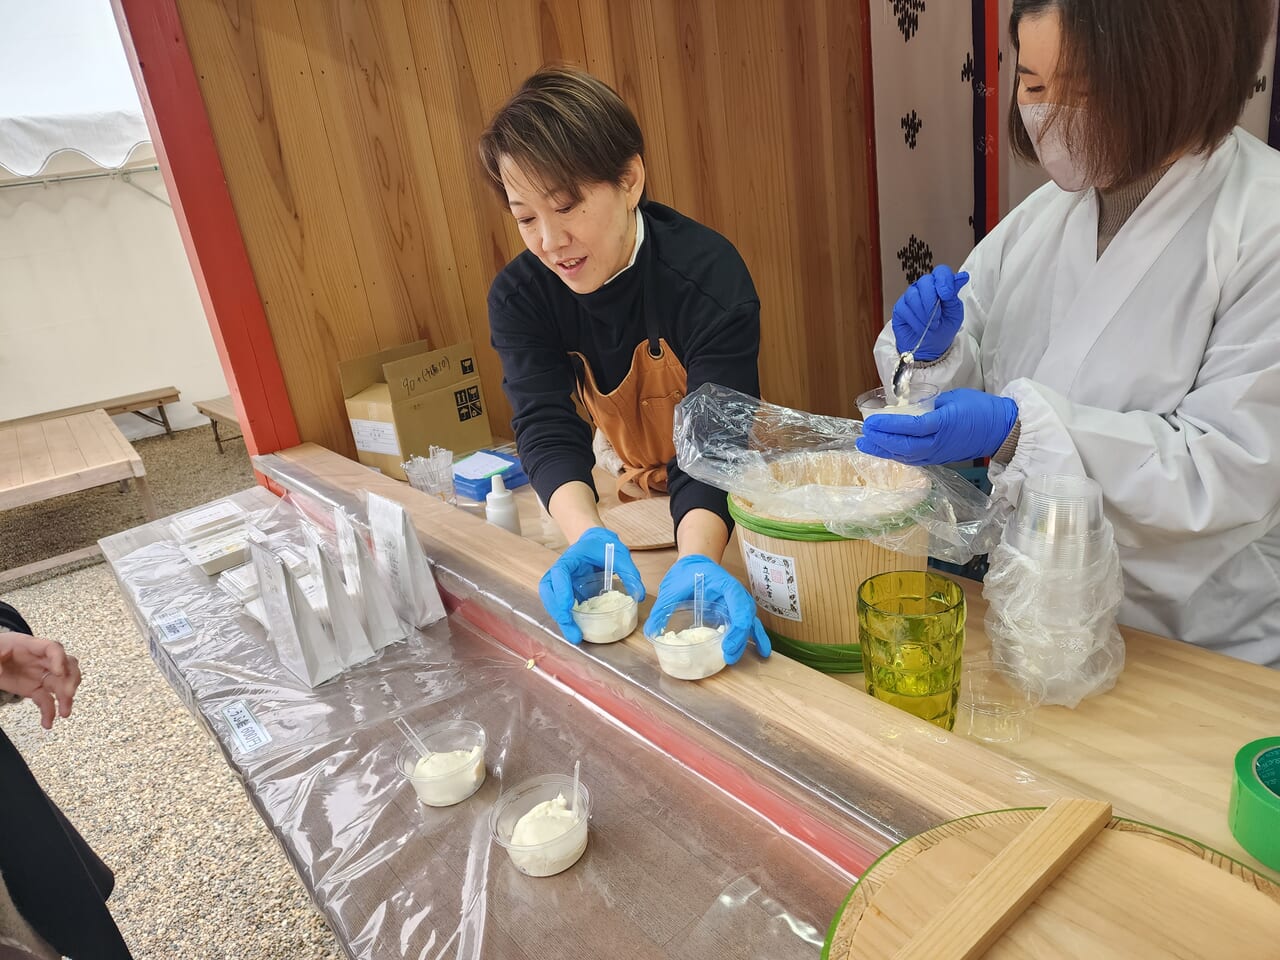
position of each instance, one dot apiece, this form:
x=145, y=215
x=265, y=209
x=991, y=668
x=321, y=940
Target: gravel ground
x=198, y=876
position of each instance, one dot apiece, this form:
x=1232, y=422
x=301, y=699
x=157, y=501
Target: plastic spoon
x=577, y=769
x=607, y=585
x=413, y=737
x=699, y=597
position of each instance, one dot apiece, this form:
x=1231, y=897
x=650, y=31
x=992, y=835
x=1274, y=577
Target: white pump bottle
x=500, y=507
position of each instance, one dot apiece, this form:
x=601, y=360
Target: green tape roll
x=1255, y=800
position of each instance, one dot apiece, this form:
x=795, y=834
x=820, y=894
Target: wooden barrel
x=804, y=577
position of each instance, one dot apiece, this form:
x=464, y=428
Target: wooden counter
x=1159, y=746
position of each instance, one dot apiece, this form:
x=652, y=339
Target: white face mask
x=1051, y=146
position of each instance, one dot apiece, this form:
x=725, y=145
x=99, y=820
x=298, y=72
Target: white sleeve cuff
x=1044, y=444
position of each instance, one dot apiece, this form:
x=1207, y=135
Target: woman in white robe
x=1123, y=323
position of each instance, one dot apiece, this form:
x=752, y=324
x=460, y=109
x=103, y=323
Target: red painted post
x=156, y=48
x=994, y=111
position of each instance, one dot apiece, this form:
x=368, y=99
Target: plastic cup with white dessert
x=689, y=652
x=919, y=400
x=543, y=832
x=606, y=613
x=453, y=770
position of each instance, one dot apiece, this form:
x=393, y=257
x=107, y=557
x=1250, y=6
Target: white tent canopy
x=67, y=99
x=97, y=299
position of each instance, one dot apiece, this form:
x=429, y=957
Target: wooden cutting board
x=642, y=524
x=1131, y=891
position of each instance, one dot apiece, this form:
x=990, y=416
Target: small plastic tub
x=556, y=852
x=687, y=652
x=455, y=768
x=607, y=618
x=920, y=399
x=997, y=703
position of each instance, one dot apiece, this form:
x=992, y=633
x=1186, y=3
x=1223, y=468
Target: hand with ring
x=40, y=670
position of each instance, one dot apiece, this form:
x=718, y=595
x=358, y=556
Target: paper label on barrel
x=1267, y=767
x=773, y=582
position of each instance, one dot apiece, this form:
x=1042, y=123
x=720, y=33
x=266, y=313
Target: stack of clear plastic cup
x=1054, y=590
x=1059, y=521
x=1059, y=526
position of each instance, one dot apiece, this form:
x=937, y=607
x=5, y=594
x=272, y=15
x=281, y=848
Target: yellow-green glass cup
x=911, y=626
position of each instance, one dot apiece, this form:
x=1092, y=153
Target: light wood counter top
x=1160, y=746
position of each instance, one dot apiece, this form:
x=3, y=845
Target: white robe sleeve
x=1204, y=475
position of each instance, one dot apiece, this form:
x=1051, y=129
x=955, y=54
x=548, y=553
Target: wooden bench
x=49, y=458
x=221, y=410
x=134, y=403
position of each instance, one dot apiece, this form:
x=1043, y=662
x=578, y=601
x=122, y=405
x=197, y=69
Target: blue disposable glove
x=720, y=586
x=584, y=557
x=912, y=311
x=964, y=425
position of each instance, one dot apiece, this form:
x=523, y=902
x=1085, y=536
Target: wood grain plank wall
x=347, y=130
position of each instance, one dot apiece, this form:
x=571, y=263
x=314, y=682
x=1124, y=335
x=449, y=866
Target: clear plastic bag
x=798, y=467
x=674, y=865
x=1057, y=624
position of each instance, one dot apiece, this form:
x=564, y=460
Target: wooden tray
x=1132, y=891
x=642, y=524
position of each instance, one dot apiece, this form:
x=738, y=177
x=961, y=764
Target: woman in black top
x=56, y=886
x=627, y=305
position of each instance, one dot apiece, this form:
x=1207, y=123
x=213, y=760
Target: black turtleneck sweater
x=707, y=311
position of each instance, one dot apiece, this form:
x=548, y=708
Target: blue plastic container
x=477, y=488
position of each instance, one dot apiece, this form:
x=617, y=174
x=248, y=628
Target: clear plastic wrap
x=714, y=833
x=798, y=467
x=674, y=867
x=1057, y=623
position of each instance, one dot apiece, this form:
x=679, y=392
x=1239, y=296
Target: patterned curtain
x=1262, y=113
x=923, y=75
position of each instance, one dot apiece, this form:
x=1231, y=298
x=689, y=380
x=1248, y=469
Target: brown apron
x=637, y=417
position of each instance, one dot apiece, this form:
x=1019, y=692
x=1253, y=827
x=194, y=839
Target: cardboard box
x=402, y=400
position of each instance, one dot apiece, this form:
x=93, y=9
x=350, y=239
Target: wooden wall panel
x=348, y=132
x=366, y=76
x=854, y=195
x=811, y=182
x=266, y=118
x=693, y=101
x=754, y=71
x=462, y=81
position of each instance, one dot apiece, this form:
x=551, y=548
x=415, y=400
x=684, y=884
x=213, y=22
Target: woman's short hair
x=1158, y=77
x=565, y=129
